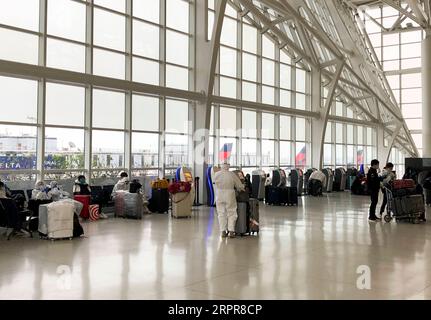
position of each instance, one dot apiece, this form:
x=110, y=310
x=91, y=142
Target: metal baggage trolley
x=392, y=213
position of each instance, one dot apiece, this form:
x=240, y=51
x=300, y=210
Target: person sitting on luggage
x=56, y=193
x=373, y=182
x=387, y=176
x=81, y=187
x=226, y=182
x=122, y=184
x=40, y=191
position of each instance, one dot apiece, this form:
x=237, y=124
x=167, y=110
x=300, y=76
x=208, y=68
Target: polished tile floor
x=309, y=252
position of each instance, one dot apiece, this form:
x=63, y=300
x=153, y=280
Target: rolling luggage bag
x=241, y=226
x=315, y=188
x=159, y=202
x=85, y=200
x=56, y=220
x=254, y=217
x=274, y=196
x=129, y=205
x=182, y=203
x=292, y=196
x=412, y=204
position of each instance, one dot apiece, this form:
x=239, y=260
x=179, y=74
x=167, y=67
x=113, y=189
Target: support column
x=426, y=96
x=205, y=67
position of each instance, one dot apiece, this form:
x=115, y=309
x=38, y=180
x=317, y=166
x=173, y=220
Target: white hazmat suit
x=226, y=182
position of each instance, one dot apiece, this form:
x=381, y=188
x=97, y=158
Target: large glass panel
x=65, y=55
x=118, y=5
x=64, y=149
x=249, y=91
x=145, y=113
x=350, y=156
x=339, y=136
x=300, y=80
x=229, y=32
x=66, y=19
x=300, y=129
x=268, y=154
x=285, y=77
x=327, y=154
x=65, y=105
x=249, y=150
x=108, y=109
x=109, y=30
x=108, y=64
x=301, y=155
x=224, y=144
x=350, y=134
x=21, y=47
x=146, y=71
x=249, y=124
x=147, y=9
x=249, y=67
x=177, y=116
x=268, y=72
x=176, y=150
x=145, y=150
x=17, y=147
x=268, y=125
x=227, y=87
x=19, y=96
x=177, y=77
x=249, y=38
x=228, y=59
x=285, y=153
x=20, y=13
x=177, y=15
x=268, y=95
x=268, y=47
x=177, y=48
x=108, y=149
x=339, y=154
x=145, y=39
x=285, y=127
x=227, y=122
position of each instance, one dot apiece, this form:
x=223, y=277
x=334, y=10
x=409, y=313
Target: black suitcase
x=292, y=196
x=274, y=196
x=241, y=226
x=315, y=188
x=159, y=202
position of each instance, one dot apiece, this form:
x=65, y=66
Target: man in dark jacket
x=373, y=182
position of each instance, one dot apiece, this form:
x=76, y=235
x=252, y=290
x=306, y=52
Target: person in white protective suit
x=226, y=182
x=122, y=185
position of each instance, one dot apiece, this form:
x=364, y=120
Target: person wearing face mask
x=81, y=187
x=373, y=182
x=226, y=182
x=40, y=191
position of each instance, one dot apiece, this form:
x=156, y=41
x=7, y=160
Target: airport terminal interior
x=123, y=121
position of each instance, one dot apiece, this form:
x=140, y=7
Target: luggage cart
x=391, y=212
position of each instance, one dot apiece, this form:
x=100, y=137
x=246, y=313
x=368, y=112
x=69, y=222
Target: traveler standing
x=388, y=176
x=373, y=182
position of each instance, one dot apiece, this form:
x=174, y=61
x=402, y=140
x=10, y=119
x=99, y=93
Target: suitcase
x=85, y=200
x=254, y=217
x=159, y=201
x=182, y=205
x=274, y=196
x=403, y=184
x=241, y=227
x=291, y=198
x=413, y=204
x=56, y=220
x=129, y=205
x=315, y=188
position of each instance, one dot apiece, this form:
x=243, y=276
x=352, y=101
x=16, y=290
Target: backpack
x=135, y=186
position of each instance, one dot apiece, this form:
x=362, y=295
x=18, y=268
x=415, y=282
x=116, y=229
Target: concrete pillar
x=426, y=96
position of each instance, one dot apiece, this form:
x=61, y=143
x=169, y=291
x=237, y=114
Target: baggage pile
x=278, y=194
x=405, y=201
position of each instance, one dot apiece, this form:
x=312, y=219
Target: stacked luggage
x=340, y=179
x=159, y=201
x=351, y=175
x=56, y=220
x=278, y=194
x=307, y=175
x=329, y=187
x=128, y=205
x=405, y=201
x=315, y=184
